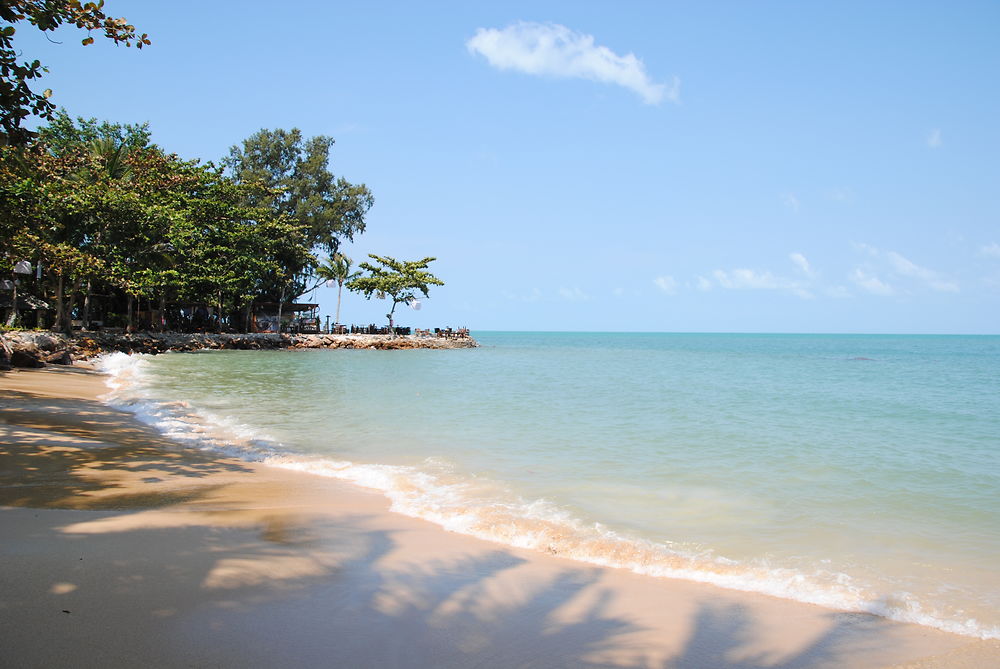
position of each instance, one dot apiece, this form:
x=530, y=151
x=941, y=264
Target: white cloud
x=933, y=279
x=871, y=283
x=990, y=250
x=534, y=296
x=748, y=279
x=573, y=294
x=790, y=201
x=803, y=264
x=865, y=248
x=838, y=292
x=667, y=284
x=555, y=50
x=704, y=284
x=934, y=139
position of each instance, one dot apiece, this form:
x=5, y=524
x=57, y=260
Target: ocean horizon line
x=742, y=332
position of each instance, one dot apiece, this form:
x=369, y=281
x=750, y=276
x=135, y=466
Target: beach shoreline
x=123, y=549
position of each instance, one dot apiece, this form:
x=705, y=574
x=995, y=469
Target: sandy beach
x=122, y=550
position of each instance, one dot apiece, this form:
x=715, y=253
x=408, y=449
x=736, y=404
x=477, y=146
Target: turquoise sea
x=853, y=471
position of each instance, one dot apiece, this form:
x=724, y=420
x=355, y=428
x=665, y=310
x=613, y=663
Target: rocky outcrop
x=33, y=349
x=36, y=349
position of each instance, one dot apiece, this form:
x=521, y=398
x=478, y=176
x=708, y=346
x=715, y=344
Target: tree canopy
x=63, y=133
x=397, y=280
x=17, y=99
x=103, y=212
x=299, y=184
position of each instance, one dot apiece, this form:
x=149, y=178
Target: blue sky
x=655, y=166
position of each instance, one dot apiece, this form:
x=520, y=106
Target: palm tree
x=337, y=268
x=111, y=155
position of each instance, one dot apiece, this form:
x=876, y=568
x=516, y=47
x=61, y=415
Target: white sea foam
x=185, y=424
x=487, y=510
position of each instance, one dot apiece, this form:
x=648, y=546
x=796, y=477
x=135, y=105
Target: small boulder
x=58, y=358
x=25, y=358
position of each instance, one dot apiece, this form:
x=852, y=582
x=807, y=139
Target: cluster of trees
x=95, y=210
x=107, y=213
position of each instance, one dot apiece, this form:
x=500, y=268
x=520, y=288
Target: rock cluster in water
x=36, y=349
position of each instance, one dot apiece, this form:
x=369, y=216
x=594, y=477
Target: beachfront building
x=294, y=318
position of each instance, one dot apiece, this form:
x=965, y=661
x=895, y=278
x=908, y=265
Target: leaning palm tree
x=337, y=268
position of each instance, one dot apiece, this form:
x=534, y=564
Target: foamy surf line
x=435, y=493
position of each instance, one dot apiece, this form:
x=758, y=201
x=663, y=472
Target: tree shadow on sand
x=333, y=591
x=724, y=636
x=52, y=452
x=228, y=584
x=228, y=592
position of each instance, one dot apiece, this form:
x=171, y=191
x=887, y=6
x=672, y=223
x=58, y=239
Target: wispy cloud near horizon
x=899, y=268
x=934, y=280
x=803, y=264
x=871, y=283
x=573, y=294
x=555, y=50
x=748, y=279
x=667, y=284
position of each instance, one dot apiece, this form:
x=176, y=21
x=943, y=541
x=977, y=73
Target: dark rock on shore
x=22, y=358
x=36, y=349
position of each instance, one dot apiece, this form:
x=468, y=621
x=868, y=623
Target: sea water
x=855, y=472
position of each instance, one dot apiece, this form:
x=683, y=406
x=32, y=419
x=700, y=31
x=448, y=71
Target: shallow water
x=858, y=472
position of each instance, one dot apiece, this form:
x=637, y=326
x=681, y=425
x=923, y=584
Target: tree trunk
x=392, y=329
x=12, y=318
x=163, y=310
x=281, y=301
x=246, y=316
x=129, y=319
x=86, y=307
x=340, y=286
x=67, y=324
x=60, y=306
x=218, y=313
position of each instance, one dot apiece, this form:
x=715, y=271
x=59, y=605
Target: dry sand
x=118, y=549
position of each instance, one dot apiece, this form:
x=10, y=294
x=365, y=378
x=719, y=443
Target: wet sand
x=119, y=549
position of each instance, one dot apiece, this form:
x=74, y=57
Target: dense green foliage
x=115, y=222
x=17, y=100
x=297, y=184
x=397, y=280
x=104, y=225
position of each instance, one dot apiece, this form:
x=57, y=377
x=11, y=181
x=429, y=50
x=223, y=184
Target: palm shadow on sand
x=333, y=592
x=93, y=438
